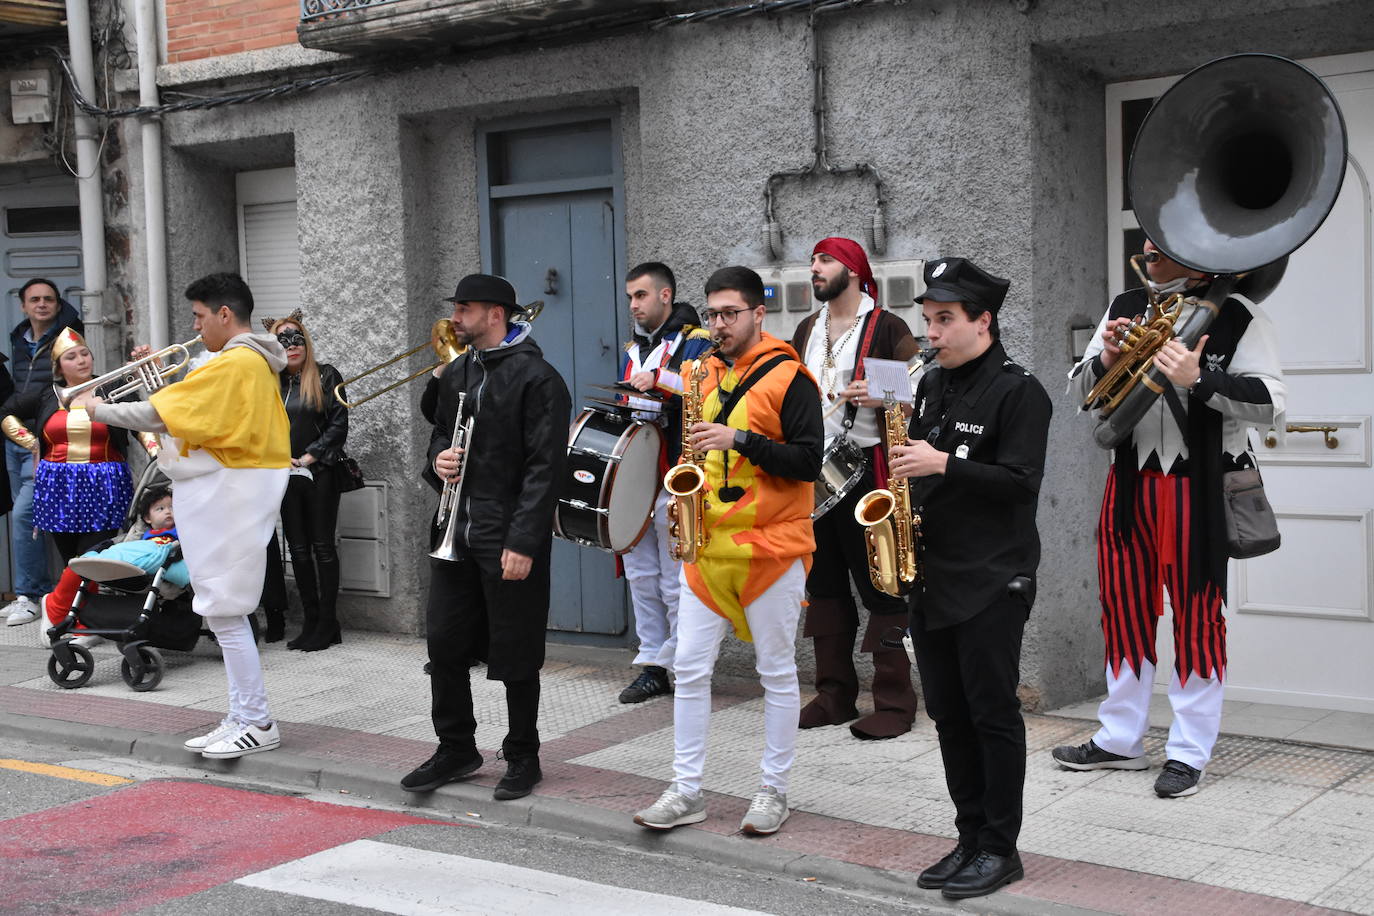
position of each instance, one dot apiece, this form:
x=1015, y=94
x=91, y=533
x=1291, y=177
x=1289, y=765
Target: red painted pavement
x=154, y=841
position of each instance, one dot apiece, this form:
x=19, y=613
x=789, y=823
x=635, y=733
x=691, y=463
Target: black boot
x=276, y=625
x=308, y=627
x=522, y=775
x=837, y=683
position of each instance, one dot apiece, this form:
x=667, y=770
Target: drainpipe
x=154, y=221
x=88, y=179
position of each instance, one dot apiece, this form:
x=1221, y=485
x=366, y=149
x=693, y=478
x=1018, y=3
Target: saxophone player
x=975, y=459
x=489, y=596
x=753, y=417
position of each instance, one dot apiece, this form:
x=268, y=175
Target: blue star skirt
x=81, y=497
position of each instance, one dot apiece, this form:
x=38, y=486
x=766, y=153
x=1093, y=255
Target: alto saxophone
x=891, y=529
x=686, y=480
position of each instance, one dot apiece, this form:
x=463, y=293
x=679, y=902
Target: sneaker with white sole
x=766, y=812
x=1177, y=780
x=20, y=611
x=243, y=740
x=673, y=809
x=1091, y=757
x=201, y=742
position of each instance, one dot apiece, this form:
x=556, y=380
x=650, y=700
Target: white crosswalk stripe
x=417, y=882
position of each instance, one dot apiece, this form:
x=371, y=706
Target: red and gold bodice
x=73, y=438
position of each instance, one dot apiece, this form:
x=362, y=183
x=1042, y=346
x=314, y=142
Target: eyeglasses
x=291, y=339
x=724, y=316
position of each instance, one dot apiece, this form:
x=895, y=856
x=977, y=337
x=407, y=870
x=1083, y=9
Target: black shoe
x=985, y=874
x=320, y=639
x=1177, y=780
x=652, y=682
x=522, y=775
x=1091, y=757
x=445, y=766
x=276, y=626
x=936, y=876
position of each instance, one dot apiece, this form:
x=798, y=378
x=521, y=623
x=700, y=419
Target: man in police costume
x=490, y=603
x=975, y=458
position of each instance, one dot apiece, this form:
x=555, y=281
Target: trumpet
x=146, y=374
x=446, y=348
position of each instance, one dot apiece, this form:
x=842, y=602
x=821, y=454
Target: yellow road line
x=52, y=769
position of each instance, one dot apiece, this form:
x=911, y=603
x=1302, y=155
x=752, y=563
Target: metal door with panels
x=1301, y=620
x=551, y=206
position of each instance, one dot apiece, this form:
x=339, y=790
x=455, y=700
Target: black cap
x=961, y=280
x=486, y=288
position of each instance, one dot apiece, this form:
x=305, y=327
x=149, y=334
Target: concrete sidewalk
x=1279, y=826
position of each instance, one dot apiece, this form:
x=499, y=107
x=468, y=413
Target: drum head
x=841, y=467
x=635, y=487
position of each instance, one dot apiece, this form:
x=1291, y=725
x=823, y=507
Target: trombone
x=146, y=374
x=446, y=348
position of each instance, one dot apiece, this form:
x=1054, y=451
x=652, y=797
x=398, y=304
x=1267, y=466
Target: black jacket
x=978, y=519
x=33, y=372
x=513, y=469
x=321, y=432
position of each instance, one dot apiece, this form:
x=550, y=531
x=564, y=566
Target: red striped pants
x=1135, y=564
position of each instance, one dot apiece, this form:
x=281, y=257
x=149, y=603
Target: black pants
x=969, y=674
x=309, y=519
x=841, y=557
x=475, y=616
x=75, y=543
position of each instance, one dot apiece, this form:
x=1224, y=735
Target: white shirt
x=865, y=431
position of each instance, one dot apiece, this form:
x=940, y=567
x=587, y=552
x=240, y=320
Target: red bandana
x=851, y=254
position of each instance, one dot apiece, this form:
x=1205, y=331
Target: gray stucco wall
x=986, y=123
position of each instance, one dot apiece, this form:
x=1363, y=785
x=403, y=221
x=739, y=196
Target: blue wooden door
x=561, y=248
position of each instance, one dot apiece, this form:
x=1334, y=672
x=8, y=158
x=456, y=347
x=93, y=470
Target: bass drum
x=610, y=482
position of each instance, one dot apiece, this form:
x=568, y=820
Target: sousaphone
x=1234, y=168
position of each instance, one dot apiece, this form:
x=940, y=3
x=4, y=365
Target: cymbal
x=619, y=405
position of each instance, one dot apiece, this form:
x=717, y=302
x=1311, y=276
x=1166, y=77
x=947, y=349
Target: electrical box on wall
x=31, y=97
x=788, y=297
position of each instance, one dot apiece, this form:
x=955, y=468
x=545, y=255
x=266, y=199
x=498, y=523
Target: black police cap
x=486, y=288
x=961, y=280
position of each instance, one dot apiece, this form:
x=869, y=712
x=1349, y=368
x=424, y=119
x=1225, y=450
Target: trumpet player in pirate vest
x=666, y=334
x=833, y=343
x=489, y=579
x=742, y=526
x=1162, y=523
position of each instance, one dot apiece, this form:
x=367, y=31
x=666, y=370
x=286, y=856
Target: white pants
x=1125, y=715
x=243, y=667
x=224, y=520
x=773, y=620
x=652, y=574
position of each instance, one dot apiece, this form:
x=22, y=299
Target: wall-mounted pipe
x=89, y=197
x=876, y=230
x=150, y=132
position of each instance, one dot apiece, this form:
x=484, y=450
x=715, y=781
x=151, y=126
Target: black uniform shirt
x=978, y=519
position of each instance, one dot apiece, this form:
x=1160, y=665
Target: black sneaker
x=1177, y=780
x=522, y=775
x=652, y=682
x=445, y=766
x=1091, y=757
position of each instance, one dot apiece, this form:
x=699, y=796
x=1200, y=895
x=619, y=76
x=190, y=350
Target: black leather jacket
x=320, y=432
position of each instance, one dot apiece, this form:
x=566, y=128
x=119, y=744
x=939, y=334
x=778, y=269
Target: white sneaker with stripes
x=243, y=740
x=201, y=742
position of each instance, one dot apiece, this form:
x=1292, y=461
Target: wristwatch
x=1192, y=389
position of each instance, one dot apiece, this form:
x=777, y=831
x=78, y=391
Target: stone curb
x=282, y=768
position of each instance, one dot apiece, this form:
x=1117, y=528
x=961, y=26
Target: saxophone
x=891, y=531
x=686, y=480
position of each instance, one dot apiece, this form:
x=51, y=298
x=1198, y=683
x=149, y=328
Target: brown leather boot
x=894, y=699
x=837, y=682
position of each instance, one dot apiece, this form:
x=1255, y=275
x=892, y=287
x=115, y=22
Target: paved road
x=104, y=835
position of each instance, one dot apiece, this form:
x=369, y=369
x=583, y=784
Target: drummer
x=665, y=334
x=834, y=341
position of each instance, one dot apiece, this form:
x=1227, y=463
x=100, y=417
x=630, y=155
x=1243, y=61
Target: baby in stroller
x=132, y=590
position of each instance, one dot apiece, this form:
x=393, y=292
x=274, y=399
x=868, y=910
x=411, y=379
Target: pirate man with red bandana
x=833, y=342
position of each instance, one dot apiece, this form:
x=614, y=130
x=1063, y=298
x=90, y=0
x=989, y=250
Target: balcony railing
x=320, y=9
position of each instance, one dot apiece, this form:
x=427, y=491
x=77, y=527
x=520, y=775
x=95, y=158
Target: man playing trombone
x=489, y=577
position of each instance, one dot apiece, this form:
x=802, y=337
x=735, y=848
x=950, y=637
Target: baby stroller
x=141, y=612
